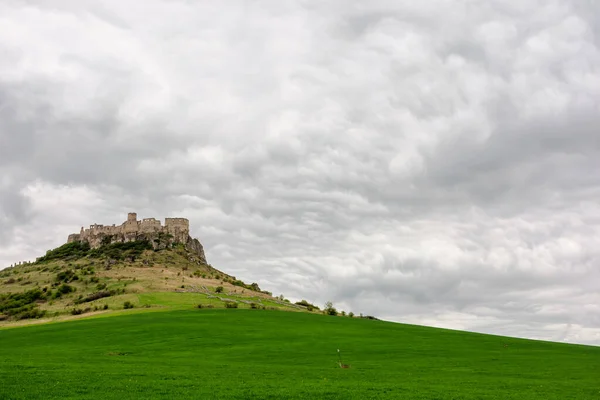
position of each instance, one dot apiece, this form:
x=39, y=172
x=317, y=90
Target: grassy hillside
x=262, y=354
x=73, y=280
x=180, y=341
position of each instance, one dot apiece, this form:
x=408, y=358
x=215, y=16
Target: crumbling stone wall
x=175, y=230
x=178, y=227
x=150, y=225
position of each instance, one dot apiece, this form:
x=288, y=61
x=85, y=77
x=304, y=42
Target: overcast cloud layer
x=430, y=162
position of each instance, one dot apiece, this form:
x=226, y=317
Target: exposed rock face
x=194, y=246
x=175, y=230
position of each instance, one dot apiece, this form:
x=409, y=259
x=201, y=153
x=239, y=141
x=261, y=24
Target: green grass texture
x=264, y=354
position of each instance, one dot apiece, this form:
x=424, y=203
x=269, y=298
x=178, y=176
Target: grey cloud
x=14, y=209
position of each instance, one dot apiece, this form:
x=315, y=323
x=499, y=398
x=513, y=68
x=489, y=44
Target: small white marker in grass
x=342, y=365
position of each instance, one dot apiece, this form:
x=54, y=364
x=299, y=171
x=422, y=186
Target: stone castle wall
x=129, y=230
x=175, y=230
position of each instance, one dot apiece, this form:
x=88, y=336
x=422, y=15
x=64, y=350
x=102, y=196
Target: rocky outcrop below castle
x=175, y=230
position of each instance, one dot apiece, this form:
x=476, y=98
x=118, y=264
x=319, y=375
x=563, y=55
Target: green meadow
x=266, y=354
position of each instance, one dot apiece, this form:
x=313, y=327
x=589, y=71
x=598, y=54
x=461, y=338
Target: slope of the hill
x=262, y=354
x=75, y=280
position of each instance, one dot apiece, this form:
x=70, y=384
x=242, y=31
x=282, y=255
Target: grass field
x=262, y=354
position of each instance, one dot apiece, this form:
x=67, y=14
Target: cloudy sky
x=431, y=162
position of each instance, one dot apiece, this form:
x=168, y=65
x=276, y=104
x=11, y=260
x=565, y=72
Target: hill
x=75, y=279
x=163, y=323
x=263, y=354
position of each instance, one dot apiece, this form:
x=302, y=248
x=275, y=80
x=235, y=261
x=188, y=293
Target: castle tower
x=131, y=225
x=179, y=228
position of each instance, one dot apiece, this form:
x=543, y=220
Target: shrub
x=105, y=307
x=65, y=289
x=66, y=276
x=254, y=306
x=119, y=250
x=306, y=304
x=94, y=296
x=370, y=317
x=69, y=251
x=330, y=309
x=231, y=304
x=32, y=313
x=9, y=281
x=254, y=286
x=219, y=289
x=351, y=314
x=127, y=305
x=22, y=305
x=76, y=311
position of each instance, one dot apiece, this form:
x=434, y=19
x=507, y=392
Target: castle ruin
x=175, y=230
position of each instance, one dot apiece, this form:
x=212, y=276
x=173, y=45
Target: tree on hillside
x=330, y=309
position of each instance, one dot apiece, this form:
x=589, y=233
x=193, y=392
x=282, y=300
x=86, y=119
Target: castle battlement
x=178, y=228
x=175, y=230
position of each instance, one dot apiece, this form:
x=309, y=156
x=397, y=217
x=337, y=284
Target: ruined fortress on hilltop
x=175, y=230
